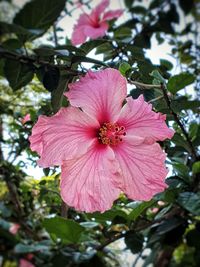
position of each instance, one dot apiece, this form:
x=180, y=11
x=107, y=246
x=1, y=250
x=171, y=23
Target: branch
x=176, y=118
x=144, y=85
x=35, y=60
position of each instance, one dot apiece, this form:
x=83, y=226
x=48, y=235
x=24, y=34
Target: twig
x=144, y=85
x=176, y=118
x=55, y=35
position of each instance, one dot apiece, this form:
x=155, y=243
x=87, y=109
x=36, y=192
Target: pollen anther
x=111, y=133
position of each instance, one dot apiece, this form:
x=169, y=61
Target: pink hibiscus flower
x=93, y=25
x=14, y=228
x=105, y=147
x=25, y=263
x=26, y=118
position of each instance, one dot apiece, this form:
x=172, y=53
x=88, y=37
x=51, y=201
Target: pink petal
x=112, y=14
x=67, y=134
x=86, y=183
x=143, y=168
x=95, y=32
x=78, y=35
x=139, y=120
x=25, y=263
x=99, y=9
x=26, y=118
x=14, y=228
x=100, y=94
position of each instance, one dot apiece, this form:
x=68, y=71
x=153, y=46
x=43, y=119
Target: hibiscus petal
x=95, y=32
x=86, y=183
x=139, y=120
x=67, y=134
x=99, y=9
x=78, y=35
x=112, y=14
x=100, y=94
x=143, y=168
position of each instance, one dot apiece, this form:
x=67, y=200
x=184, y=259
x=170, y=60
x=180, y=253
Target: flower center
x=111, y=133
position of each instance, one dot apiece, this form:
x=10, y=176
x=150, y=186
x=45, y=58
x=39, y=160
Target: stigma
x=111, y=134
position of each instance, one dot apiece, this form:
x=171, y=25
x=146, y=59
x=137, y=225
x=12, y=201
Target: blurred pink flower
x=154, y=210
x=93, y=25
x=26, y=118
x=25, y=263
x=14, y=228
x=105, y=147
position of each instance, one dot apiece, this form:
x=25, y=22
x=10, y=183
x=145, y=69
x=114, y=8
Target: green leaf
x=57, y=94
x=190, y=201
x=51, y=79
x=122, y=33
x=12, y=28
x=134, y=241
x=139, y=208
x=124, y=67
x=193, y=131
x=180, y=81
x=168, y=225
x=67, y=230
x=18, y=74
x=167, y=64
x=186, y=5
x=182, y=170
x=158, y=77
x=90, y=45
x=180, y=141
x=193, y=238
x=129, y=3
x=4, y=224
x=38, y=14
x=196, y=167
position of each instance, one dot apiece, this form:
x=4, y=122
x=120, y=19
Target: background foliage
x=34, y=74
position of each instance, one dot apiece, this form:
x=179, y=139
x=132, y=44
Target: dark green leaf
x=190, y=201
x=157, y=76
x=18, y=74
x=196, y=167
x=39, y=15
x=167, y=64
x=186, y=5
x=134, y=241
x=51, y=79
x=139, y=208
x=67, y=230
x=122, y=33
x=180, y=81
x=57, y=94
x=129, y=3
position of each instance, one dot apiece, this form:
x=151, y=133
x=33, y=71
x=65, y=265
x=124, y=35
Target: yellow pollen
x=111, y=133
